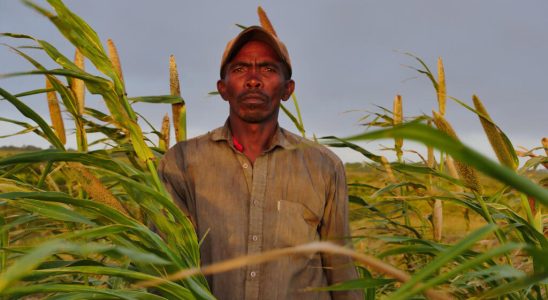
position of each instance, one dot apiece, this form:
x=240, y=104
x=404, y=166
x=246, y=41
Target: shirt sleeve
x=171, y=171
x=335, y=228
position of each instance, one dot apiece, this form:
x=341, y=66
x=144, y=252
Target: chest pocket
x=295, y=224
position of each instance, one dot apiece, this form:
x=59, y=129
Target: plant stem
x=527, y=208
x=489, y=218
x=155, y=177
x=4, y=243
x=45, y=173
x=299, y=117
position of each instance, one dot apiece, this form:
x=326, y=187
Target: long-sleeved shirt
x=294, y=193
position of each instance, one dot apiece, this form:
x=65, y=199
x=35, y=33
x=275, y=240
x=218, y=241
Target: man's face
x=255, y=83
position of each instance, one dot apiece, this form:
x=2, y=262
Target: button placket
x=258, y=174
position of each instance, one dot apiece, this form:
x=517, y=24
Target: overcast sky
x=347, y=56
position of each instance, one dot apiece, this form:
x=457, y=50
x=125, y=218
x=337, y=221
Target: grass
x=60, y=238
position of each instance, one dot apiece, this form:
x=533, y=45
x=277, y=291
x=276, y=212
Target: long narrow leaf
x=31, y=114
x=157, y=99
x=456, y=149
x=56, y=155
x=441, y=259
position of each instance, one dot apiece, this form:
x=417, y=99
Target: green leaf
x=398, y=185
x=292, y=118
x=356, y=284
x=157, y=99
x=468, y=264
x=16, y=35
x=410, y=249
x=435, y=138
x=66, y=95
x=33, y=92
x=341, y=143
x=175, y=290
x=81, y=35
x=419, y=169
x=521, y=283
x=31, y=114
x=52, y=210
x=57, y=155
x=27, y=263
x=86, y=290
x=426, y=70
x=405, y=291
x=64, y=72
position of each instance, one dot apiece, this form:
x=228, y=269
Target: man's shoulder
x=311, y=148
x=200, y=140
x=195, y=145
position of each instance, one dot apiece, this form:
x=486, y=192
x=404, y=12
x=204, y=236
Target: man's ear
x=289, y=89
x=221, y=88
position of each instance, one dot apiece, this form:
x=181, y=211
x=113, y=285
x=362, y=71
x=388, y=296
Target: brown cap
x=255, y=33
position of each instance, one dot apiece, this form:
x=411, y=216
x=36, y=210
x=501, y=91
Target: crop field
x=98, y=224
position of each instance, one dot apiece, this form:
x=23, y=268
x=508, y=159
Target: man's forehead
x=255, y=49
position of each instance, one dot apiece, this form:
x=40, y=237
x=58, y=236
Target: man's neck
x=254, y=137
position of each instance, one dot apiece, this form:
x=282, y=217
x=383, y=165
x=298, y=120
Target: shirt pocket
x=295, y=224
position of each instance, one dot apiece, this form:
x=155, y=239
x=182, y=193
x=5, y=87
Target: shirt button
x=245, y=165
x=255, y=238
x=255, y=202
x=253, y=274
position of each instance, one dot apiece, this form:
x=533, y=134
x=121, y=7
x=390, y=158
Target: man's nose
x=253, y=81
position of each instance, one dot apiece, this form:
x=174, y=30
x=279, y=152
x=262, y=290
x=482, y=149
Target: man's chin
x=254, y=119
x=257, y=117
x=254, y=116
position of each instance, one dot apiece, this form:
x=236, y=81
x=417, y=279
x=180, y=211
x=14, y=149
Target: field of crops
x=83, y=224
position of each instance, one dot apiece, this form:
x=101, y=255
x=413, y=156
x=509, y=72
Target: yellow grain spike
x=495, y=136
x=115, y=60
x=178, y=109
x=450, y=165
x=467, y=173
x=164, y=138
x=94, y=187
x=545, y=144
x=442, y=88
x=388, y=169
x=174, y=85
x=430, y=159
x=78, y=87
x=437, y=220
x=397, y=120
x=265, y=22
x=55, y=114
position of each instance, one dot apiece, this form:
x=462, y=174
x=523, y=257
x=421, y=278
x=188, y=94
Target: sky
x=348, y=59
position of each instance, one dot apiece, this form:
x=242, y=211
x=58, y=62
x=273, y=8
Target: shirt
x=293, y=194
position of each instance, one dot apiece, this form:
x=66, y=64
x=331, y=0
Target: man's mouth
x=253, y=99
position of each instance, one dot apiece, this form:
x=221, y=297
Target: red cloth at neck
x=237, y=144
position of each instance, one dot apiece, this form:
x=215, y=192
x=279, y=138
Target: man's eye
x=269, y=69
x=238, y=69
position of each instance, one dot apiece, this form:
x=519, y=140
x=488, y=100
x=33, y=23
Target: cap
x=255, y=33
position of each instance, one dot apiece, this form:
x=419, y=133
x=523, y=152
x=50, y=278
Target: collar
x=280, y=138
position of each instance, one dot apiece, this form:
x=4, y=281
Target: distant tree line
x=20, y=148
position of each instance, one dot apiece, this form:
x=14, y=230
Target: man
x=251, y=186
